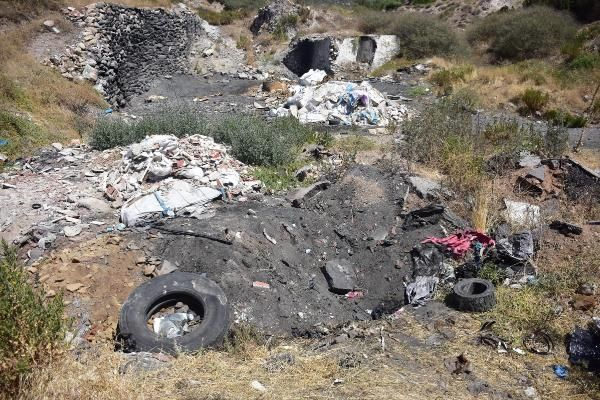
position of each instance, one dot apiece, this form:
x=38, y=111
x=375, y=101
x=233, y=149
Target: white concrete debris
x=313, y=77
x=341, y=103
x=145, y=179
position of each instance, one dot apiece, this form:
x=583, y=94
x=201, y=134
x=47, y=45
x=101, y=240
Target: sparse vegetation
x=566, y=119
x=32, y=327
x=224, y=17
x=447, y=78
x=246, y=5
x=420, y=34
x=534, y=32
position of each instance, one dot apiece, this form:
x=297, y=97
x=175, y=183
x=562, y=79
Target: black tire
x=474, y=294
x=201, y=294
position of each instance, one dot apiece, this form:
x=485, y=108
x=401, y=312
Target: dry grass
x=499, y=85
x=408, y=369
x=36, y=93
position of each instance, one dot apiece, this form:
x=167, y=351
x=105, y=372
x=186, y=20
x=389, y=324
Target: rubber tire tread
x=465, y=301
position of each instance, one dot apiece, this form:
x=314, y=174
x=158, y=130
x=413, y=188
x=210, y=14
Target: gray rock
x=90, y=73
x=72, y=230
x=166, y=268
x=538, y=173
x=298, y=196
x=425, y=188
x=303, y=172
x=95, y=205
x=340, y=276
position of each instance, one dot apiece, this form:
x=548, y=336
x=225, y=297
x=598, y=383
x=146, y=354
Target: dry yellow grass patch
x=406, y=368
x=498, y=85
x=37, y=93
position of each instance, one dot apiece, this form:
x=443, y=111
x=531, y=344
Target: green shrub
x=245, y=5
x=585, y=61
x=585, y=10
x=566, y=119
x=282, y=27
x=110, y=131
x=555, y=141
x=447, y=78
x=224, y=17
x=381, y=4
x=252, y=139
x=492, y=273
x=32, y=328
x=22, y=135
x=420, y=35
x=533, y=100
x=258, y=142
x=534, y=32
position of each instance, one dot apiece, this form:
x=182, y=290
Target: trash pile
x=340, y=103
x=166, y=175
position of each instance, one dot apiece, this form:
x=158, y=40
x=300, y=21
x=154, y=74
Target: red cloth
x=460, y=243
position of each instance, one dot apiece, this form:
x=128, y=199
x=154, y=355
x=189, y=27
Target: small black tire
x=196, y=291
x=474, y=294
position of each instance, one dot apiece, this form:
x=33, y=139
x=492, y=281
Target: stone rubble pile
x=341, y=103
x=122, y=48
x=164, y=174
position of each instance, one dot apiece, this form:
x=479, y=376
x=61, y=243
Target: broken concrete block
x=340, y=276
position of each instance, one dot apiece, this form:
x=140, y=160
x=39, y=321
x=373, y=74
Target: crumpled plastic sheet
x=173, y=325
x=460, y=243
x=518, y=247
x=421, y=290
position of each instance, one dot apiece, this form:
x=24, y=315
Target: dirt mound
x=355, y=223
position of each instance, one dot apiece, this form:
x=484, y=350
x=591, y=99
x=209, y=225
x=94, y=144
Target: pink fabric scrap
x=460, y=242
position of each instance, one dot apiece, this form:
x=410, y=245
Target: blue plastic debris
x=561, y=371
x=108, y=111
x=3, y=142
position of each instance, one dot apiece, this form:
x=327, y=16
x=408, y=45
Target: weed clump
x=534, y=32
x=32, y=328
x=224, y=17
x=446, y=79
x=533, y=100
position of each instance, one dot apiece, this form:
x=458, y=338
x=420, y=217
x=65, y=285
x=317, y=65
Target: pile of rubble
x=166, y=175
x=341, y=103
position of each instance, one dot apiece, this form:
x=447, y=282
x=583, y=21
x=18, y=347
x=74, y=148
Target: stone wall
x=124, y=49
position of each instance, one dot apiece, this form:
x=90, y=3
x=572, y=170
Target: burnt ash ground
x=342, y=222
